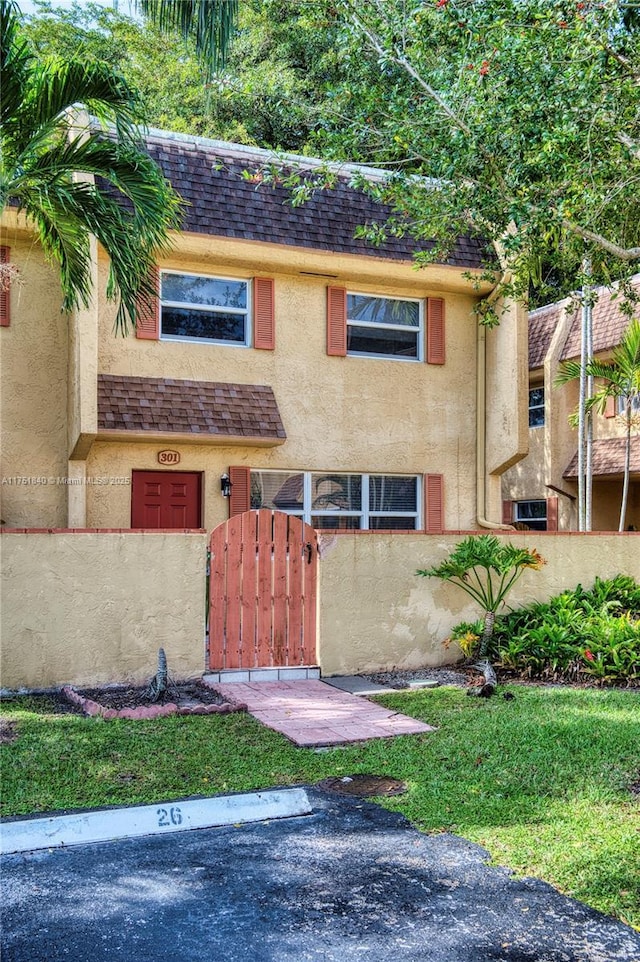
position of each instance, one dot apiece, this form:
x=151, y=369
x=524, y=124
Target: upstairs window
x=342, y=501
x=385, y=327
x=536, y=407
x=622, y=404
x=210, y=309
x=533, y=514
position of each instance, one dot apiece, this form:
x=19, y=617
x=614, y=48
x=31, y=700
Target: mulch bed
x=120, y=701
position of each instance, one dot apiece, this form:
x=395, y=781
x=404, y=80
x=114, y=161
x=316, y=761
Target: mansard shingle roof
x=199, y=409
x=211, y=177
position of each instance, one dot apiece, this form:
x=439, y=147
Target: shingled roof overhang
x=200, y=412
x=608, y=459
x=211, y=176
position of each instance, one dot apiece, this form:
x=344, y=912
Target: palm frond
x=15, y=64
x=210, y=23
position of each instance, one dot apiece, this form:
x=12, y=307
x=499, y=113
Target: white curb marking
x=28, y=835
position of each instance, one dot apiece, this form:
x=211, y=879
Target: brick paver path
x=312, y=714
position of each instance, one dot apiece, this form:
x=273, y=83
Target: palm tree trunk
x=484, y=665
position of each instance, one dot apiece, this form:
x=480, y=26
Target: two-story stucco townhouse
x=540, y=492
x=319, y=374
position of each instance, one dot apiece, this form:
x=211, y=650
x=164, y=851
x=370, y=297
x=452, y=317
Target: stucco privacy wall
x=94, y=608
x=376, y=613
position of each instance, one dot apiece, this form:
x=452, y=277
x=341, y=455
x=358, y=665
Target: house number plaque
x=168, y=457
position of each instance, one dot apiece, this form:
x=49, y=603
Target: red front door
x=166, y=499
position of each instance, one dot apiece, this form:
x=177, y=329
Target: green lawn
x=542, y=781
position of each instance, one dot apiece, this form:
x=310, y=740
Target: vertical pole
x=581, y=411
x=588, y=309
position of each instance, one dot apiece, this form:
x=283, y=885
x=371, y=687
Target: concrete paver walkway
x=312, y=714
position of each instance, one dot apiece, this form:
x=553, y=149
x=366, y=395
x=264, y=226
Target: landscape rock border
x=146, y=712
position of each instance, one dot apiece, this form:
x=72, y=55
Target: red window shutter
x=610, y=408
x=240, y=499
x=5, y=291
x=148, y=311
x=435, y=330
x=434, y=503
x=552, y=514
x=264, y=331
x=336, y=321
x=507, y=512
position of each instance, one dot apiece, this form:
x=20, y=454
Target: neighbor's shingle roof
x=542, y=323
x=608, y=458
x=198, y=408
x=221, y=201
x=609, y=324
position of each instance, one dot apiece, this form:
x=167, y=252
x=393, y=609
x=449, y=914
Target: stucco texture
x=33, y=394
x=94, y=608
x=375, y=613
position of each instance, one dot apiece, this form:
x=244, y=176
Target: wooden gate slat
x=265, y=567
x=296, y=561
x=280, y=653
x=249, y=523
x=217, y=596
x=234, y=593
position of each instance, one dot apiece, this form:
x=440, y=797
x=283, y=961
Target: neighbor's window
x=536, y=407
x=346, y=501
x=621, y=406
x=531, y=513
x=384, y=327
x=197, y=307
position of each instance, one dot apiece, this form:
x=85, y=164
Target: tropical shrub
x=578, y=635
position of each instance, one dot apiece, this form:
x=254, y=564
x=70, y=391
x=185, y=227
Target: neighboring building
x=324, y=376
x=540, y=492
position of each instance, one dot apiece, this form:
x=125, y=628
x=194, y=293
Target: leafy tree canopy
x=525, y=111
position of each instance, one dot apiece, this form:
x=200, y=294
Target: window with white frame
x=340, y=500
x=536, y=407
x=380, y=326
x=204, y=308
x=621, y=406
x=533, y=514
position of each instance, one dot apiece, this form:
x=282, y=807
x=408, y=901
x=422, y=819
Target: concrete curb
x=62, y=831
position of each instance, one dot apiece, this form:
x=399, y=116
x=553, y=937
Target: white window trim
x=516, y=505
x=622, y=401
x=365, y=513
x=212, y=309
x=537, y=407
x=419, y=331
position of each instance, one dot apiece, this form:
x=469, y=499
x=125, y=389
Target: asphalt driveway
x=348, y=882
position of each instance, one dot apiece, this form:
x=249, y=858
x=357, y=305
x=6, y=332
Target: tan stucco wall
x=95, y=608
x=33, y=393
x=353, y=414
x=376, y=613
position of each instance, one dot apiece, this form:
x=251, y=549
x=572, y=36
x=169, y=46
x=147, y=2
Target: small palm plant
x=486, y=569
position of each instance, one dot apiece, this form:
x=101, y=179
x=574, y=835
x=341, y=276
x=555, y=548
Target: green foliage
x=522, y=112
x=486, y=569
x=542, y=781
x=577, y=635
x=42, y=156
x=274, y=90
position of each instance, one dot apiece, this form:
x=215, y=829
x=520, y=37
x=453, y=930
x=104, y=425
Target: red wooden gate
x=262, y=590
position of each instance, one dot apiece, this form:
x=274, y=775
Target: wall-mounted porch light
x=226, y=485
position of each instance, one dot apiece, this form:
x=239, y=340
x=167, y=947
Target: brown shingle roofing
x=542, y=323
x=197, y=408
x=221, y=201
x=609, y=324
x=608, y=458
